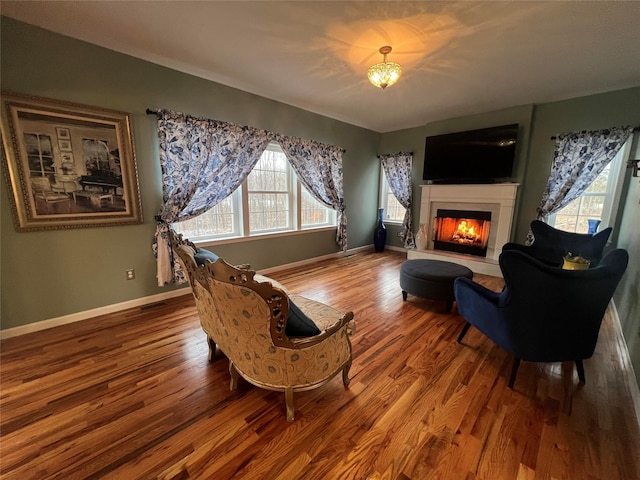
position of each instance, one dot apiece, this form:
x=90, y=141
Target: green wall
x=627, y=296
x=55, y=273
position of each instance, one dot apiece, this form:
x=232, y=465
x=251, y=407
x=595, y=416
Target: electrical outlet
x=131, y=274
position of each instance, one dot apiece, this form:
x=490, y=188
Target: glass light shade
x=384, y=74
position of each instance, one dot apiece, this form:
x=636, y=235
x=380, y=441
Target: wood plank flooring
x=131, y=395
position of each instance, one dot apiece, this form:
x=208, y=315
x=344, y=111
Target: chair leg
x=514, y=372
x=212, y=348
x=464, y=331
x=580, y=368
x=288, y=398
x=345, y=375
x=234, y=376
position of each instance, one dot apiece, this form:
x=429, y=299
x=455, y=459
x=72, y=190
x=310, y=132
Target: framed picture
x=64, y=145
x=63, y=134
x=68, y=165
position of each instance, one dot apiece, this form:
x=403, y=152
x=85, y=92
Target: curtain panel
x=397, y=168
x=319, y=169
x=204, y=161
x=578, y=159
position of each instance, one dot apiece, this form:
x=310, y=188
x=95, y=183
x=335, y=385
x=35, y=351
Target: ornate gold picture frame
x=68, y=165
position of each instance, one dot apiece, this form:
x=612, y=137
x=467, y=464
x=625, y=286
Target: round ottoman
x=432, y=279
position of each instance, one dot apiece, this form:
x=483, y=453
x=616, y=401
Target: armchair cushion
x=202, y=255
x=298, y=324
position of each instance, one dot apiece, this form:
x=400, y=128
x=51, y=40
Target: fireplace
x=496, y=199
x=462, y=231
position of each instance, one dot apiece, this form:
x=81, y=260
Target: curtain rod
x=635, y=129
x=399, y=153
x=155, y=112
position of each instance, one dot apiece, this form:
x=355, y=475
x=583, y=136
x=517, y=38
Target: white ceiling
x=458, y=58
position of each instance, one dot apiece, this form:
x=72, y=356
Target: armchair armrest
x=306, y=342
x=475, y=287
x=329, y=320
x=473, y=296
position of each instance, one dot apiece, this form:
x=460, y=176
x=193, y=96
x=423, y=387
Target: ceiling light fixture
x=386, y=73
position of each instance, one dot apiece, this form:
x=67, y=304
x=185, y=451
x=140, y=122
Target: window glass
x=39, y=154
x=217, y=222
x=269, y=193
x=393, y=210
x=313, y=213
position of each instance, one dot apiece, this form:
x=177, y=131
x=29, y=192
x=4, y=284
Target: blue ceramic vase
x=380, y=233
x=593, y=226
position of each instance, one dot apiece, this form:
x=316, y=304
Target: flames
x=466, y=232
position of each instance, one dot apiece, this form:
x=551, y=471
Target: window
x=39, y=154
x=269, y=193
x=393, y=210
x=270, y=200
x=598, y=202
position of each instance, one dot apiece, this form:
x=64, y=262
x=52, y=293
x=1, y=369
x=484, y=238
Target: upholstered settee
x=273, y=339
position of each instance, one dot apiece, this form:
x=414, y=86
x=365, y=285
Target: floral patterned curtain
x=203, y=161
x=577, y=161
x=397, y=168
x=319, y=169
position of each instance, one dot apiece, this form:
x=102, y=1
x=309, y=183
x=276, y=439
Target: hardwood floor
x=132, y=396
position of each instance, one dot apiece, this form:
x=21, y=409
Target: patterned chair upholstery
x=43, y=192
x=245, y=315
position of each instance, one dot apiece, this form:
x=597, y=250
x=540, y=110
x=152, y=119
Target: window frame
x=290, y=193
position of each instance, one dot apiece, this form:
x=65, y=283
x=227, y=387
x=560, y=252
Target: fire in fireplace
x=462, y=231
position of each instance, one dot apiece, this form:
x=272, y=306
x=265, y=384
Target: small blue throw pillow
x=298, y=324
x=202, y=255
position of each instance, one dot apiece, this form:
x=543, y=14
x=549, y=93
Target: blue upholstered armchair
x=544, y=313
x=550, y=245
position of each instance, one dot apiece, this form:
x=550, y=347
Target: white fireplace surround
x=499, y=199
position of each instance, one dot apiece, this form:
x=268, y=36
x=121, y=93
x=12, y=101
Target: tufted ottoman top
x=434, y=270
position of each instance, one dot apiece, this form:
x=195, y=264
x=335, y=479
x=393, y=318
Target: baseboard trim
x=138, y=302
x=87, y=314
x=634, y=388
x=350, y=251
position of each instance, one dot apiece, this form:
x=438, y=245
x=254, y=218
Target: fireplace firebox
x=462, y=231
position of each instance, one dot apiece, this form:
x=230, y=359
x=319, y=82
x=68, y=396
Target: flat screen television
x=486, y=155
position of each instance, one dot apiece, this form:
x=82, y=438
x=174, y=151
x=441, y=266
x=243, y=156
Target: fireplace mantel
x=499, y=199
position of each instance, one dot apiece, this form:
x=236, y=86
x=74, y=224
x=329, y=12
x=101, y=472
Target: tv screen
x=476, y=156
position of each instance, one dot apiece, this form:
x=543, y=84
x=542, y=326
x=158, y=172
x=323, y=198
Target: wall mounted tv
x=486, y=155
